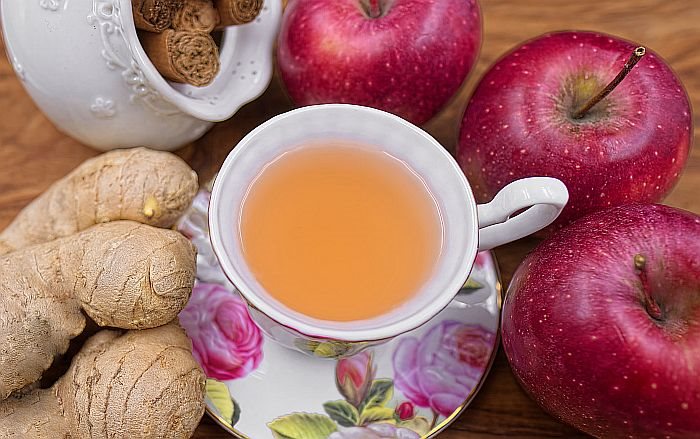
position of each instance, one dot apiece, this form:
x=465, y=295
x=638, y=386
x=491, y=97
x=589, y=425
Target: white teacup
x=468, y=227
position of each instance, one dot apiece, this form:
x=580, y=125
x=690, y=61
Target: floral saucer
x=409, y=388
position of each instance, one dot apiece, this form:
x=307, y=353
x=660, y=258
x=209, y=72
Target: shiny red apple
x=601, y=323
x=520, y=122
x=407, y=57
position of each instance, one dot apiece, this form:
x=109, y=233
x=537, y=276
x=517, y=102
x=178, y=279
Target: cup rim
x=422, y=316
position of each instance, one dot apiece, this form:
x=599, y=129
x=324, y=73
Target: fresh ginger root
x=151, y=187
x=143, y=384
x=122, y=274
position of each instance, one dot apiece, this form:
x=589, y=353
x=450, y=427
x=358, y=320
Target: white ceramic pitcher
x=82, y=63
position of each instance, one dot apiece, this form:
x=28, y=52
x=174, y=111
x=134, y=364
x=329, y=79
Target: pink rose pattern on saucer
x=434, y=374
x=439, y=370
x=225, y=341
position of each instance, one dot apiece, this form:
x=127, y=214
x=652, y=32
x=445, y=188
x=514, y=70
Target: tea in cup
x=344, y=226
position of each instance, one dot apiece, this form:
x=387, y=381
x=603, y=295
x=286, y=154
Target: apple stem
x=637, y=54
x=653, y=308
x=373, y=8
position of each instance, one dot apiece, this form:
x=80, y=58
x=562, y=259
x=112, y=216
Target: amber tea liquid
x=340, y=232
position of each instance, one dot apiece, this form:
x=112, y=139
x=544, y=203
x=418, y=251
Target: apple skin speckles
x=410, y=61
x=599, y=341
x=643, y=128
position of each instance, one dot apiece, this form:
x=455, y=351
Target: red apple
x=601, y=323
x=408, y=57
x=630, y=147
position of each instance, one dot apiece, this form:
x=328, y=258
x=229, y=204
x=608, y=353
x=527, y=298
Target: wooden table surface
x=33, y=154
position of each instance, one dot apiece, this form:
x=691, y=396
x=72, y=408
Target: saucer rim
x=459, y=411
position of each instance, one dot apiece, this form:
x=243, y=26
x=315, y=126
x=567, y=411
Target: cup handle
x=544, y=198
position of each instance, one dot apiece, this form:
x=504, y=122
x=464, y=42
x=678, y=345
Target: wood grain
x=33, y=154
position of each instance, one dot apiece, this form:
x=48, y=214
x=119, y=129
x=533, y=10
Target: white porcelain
x=287, y=383
x=82, y=63
x=256, y=386
x=465, y=228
